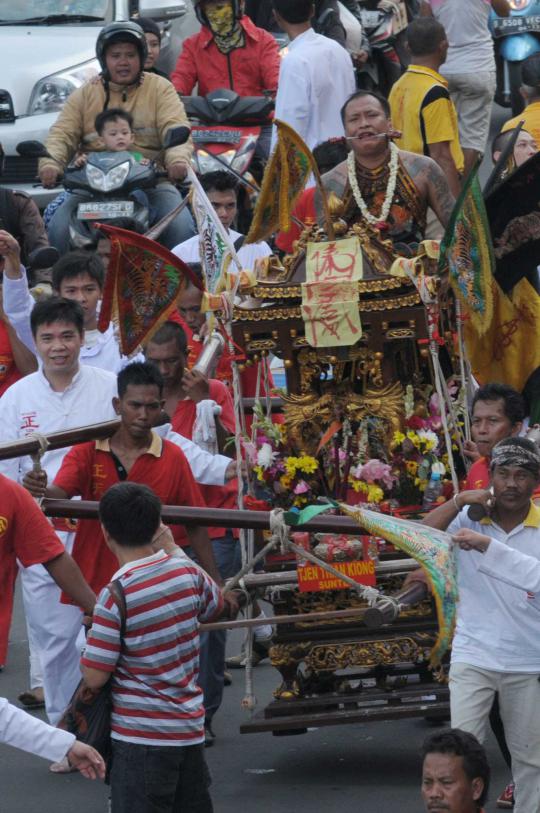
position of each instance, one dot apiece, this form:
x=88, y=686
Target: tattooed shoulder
x=431, y=182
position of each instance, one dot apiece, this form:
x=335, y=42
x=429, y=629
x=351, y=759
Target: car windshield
x=54, y=11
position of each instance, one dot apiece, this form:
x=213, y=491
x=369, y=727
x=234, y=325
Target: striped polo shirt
x=156, y=699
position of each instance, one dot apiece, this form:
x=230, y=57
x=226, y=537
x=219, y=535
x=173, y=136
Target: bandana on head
x=507, y=453
x=228, y=33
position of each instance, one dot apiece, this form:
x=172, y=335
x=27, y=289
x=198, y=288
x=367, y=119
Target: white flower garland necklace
x=390, y=189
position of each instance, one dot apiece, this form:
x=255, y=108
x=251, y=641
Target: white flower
x=265, y=456
x=430, y=438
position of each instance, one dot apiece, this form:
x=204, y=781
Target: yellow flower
x=307, y=464
x=359, y=485
x=285, y=480
x=413, y=437
x=291, y=464
x=412, y=467
x=375, y=494
x=299, y=501
x=398, y=439
x=259, y=471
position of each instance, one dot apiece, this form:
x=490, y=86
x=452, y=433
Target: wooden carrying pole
x=58, y=440
x=207, y=517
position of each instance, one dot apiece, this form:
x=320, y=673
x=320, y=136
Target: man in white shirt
x=316, y=76
x=496, y=647
x=21, y=730
x=78, y=275
x=222, y=190
x=61, y=395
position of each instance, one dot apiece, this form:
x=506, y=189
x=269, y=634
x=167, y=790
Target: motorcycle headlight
x=207, y=163
x=519, y=5
x=51, y=92
x=106, y=182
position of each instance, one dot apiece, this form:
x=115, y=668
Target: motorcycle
x=226, y=129
x=516, y=38
x=111, y=185
x=384, y=22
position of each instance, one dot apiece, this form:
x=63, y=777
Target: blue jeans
x=159, y=779
x=163, y=199
x=212, y=644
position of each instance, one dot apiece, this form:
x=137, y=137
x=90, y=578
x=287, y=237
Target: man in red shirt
x=229, y=51
x=27, y=535
x=133, y=453
x=497, y=413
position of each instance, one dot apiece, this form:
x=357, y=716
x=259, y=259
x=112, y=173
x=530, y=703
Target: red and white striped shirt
x=156, y=699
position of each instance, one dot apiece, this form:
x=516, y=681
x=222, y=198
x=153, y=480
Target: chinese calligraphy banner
x=334, y=261
x=330, y=295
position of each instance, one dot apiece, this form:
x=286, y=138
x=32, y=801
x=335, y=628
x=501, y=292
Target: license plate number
x=516, y=25
x=105, y=211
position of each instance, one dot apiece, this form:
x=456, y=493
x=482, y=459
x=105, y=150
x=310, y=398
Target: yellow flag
x=509, y=351
x=286, y=174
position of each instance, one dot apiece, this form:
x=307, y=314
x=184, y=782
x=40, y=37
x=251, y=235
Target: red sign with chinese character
x=313, y=577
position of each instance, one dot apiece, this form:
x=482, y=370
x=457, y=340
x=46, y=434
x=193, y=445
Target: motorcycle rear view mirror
x=175, y=137
x=32, y=149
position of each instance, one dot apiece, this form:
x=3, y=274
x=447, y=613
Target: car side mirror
x=163, y=10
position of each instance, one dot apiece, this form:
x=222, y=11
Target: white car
x=47, y=50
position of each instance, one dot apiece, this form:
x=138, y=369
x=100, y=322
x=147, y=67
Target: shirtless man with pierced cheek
x=395, y=194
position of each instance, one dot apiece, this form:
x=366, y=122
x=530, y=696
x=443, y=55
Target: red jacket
x=249, y=70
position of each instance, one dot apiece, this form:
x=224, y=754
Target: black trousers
x=159, y=779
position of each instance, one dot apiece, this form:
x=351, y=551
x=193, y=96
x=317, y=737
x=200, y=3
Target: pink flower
x=375, y=470
x=301, y=487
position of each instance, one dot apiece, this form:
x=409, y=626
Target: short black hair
x=530, y=72
x=424, y=35
x=330, y=153
x=168, y=332
x=139, y=374
x=294, y=11
x=220, y=180
x=75, y=263
x=514, y=405
x=462, y=744
x=148, y=25
x=130, y=513
x=501, y=141
x=361, y=94
x=112, y=114
x=57, y=309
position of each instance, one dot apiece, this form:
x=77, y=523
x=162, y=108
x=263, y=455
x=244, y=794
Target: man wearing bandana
x=496, y=647
x=228, y=52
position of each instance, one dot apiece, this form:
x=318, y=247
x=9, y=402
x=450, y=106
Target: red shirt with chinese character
x=89, y=469
x=25, y=534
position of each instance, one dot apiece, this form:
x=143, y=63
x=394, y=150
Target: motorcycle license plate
x=516, y=25
x=370, y=19
x=106, y=210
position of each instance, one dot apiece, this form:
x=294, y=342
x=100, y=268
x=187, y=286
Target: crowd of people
x=397, y=163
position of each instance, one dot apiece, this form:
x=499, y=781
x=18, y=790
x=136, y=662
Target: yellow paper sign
x=334, y=261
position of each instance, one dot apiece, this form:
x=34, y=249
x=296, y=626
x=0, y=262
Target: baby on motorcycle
x=115, y=128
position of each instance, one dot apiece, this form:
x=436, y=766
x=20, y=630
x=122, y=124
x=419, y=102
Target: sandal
x=32, y=699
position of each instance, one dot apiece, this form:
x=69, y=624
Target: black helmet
x=126, y=31
x=201, y=16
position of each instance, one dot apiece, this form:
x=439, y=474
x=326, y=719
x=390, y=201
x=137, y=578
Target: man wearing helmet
x=229, y=51
x=121, y=50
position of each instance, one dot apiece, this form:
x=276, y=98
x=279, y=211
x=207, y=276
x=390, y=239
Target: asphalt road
x=369, y=767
